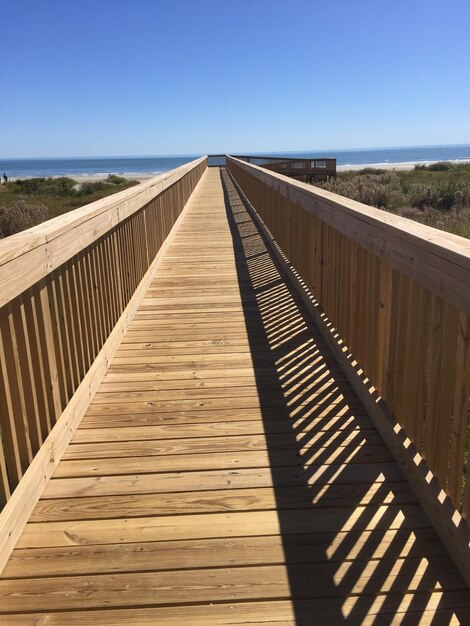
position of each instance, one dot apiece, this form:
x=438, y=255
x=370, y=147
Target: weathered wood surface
x=225, y=472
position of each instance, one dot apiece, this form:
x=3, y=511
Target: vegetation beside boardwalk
x=437, y=194
x=30, y=201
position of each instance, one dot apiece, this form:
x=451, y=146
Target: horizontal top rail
x=28, y=256
x=437, y=259
x=324, y=161
x=307, y=169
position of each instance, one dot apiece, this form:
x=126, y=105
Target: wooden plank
x=415, y=384
x=123, y=374
x=15, y=514
x=58, y=341
x=452, y=529
x=200, y=416
x=220, y=404
x=187, y=481
x=212, y=429
x=449, y=609
x=214, y=444
x=24, y=357
x=241, y=524
x=15, y=428
x=333, y=454
x=440, y=387
x=222, y=500
x=220, y=584
x=27, y=257
x=460, y=412
x=315, y=390
x=185, y=554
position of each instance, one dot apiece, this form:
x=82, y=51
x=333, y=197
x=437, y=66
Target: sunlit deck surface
x=226, y=473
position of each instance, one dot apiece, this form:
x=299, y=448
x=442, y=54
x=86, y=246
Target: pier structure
x=229, y=397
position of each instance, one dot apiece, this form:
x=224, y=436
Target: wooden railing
x=394, y=297
x=65, y=285
x=307, y=170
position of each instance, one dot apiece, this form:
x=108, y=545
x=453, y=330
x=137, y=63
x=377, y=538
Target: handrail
x=28, y=256
x=64, y=286
x=395, y=295
x=307, y=169
x=437, y=259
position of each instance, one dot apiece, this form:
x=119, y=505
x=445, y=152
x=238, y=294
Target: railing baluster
x=62, y=313
x=440, y=387
x=460, y=411
x=16, y=428
x=383, y=287
x=44, y=317
x=12, y=440
x=25, y=373
x=41, y=385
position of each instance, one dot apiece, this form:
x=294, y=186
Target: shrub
x=447, y=200
x=439, y=166
x=62, y=186
x=382, y=190
x=440, y=196
x=86, y=189
x=422, y=196
x=109, y=184
x=373, y=171
x=462, y=195
x=116, y=180
x=20, y=216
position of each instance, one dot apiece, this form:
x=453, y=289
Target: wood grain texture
x=394, y=292
x=435, y=258
x=27, y=257
x=34, y=464
x=225, y=471
x=450, y=525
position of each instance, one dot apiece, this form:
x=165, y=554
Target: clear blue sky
x=137, y=77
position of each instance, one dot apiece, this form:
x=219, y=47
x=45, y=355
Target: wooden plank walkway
x=225, y=473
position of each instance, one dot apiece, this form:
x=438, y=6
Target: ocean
x=22, y=168
x=91, y=165
x=376, y=156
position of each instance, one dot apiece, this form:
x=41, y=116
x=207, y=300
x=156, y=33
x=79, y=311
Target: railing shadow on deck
x=358, y=548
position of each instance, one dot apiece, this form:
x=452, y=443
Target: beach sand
x=93, y=178
x=403, y=167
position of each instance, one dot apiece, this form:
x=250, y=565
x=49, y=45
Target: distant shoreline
x=93, y=178
x=402, y=167
x=144, y=176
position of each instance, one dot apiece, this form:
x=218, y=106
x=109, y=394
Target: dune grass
x=30, y=201
x=437, y=195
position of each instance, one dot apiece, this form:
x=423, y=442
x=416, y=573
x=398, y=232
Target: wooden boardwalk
x=225, y=473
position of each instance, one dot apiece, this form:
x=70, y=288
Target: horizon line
x=254, y=153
